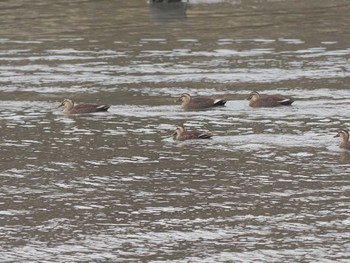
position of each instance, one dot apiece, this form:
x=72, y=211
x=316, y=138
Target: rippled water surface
x=271, y=186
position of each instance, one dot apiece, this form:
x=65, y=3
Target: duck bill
x=174, y=135
x=335, y=136
x=60, y=105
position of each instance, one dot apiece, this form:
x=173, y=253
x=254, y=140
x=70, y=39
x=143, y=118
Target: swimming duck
x=256, y=100
x=197, y=103
x=181, y=134
x=344, y=136
x=69, y=108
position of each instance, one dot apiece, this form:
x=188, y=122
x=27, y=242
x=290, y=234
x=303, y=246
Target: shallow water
x=272, y=185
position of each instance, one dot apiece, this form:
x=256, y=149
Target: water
x=272, y=185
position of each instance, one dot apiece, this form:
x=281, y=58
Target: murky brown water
x=271, y=186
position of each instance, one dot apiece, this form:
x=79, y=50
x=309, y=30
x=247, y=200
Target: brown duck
x=181, y=134
x=344, y=136
x=197, y=103
x=256, y=100
x=69, y=108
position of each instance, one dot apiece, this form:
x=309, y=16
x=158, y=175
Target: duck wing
x=89, y=107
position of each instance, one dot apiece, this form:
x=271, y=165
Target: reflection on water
x=167, y=11
x=271, y=185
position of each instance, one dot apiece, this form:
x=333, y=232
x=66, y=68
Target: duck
x=344, y=136
x=69, y=108
x=256, y=100
x=181, y=134
x=197, y=103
